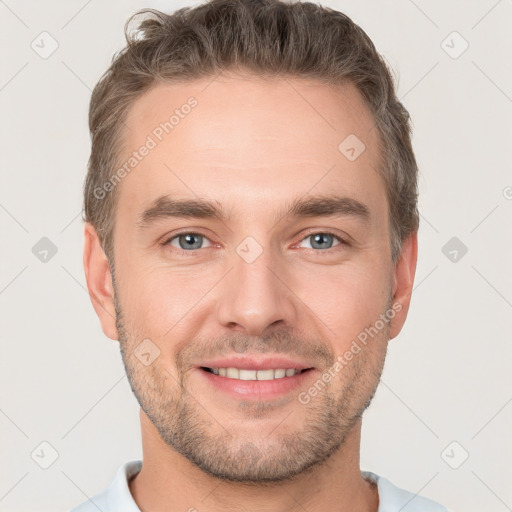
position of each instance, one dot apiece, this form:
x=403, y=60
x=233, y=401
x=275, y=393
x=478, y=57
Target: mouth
x=254, y=375
x=256, y=385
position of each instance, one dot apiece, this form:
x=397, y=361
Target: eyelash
x=183, y=252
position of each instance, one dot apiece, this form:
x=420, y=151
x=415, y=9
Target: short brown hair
x=266, y=37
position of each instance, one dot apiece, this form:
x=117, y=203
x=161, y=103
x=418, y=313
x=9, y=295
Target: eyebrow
x=311, y=206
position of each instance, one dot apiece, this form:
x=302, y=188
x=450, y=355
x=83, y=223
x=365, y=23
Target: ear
x=99, y=281
x=403, y=280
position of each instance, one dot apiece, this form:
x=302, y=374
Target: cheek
x=347, y=301
x=158, y=300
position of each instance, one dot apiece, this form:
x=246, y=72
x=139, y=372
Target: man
x=250, y=240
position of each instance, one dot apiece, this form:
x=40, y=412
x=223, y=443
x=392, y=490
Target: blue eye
x=187, y=241
x=190, y=242
x=323, y=240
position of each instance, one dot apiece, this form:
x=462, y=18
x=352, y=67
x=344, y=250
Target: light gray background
x=448, y=375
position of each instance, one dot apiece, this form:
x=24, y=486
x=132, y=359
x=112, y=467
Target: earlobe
x=403, y=280
x=99, y=281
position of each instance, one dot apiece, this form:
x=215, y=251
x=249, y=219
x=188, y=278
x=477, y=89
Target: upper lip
x=254, y=363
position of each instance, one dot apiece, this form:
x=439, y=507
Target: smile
x=243, y=374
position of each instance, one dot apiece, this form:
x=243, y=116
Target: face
x=245, y=238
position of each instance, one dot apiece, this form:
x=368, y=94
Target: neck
x=170, y=482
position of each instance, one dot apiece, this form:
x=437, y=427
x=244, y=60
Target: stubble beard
x=226, y=453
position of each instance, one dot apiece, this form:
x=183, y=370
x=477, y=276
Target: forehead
x=238, y=140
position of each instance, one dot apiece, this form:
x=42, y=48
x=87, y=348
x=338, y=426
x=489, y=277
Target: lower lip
x=257, y=389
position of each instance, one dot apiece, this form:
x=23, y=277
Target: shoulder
x=395, y=499
x=116, y=497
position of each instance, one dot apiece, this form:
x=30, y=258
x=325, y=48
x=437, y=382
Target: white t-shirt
x=117, y=497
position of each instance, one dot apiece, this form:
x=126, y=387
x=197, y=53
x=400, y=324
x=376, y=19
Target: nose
x=255, y=296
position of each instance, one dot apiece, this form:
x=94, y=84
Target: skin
x=252, y=146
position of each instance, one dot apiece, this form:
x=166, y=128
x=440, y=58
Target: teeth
x=231, y=373
x=235, y=373
x=245, y=374
x=265, y=374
